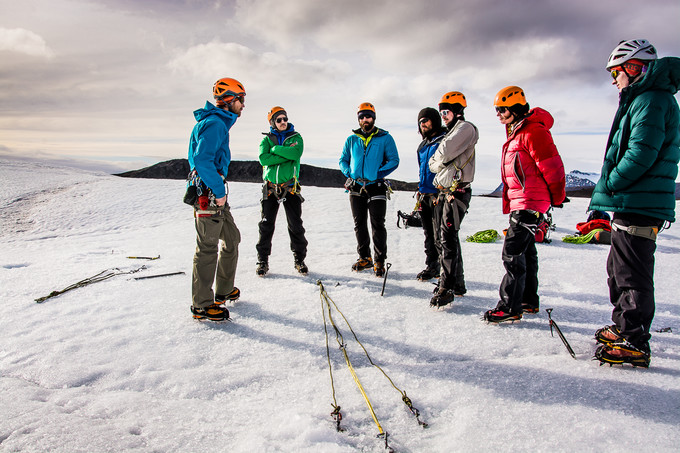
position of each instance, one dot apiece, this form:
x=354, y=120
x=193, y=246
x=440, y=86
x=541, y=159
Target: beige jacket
x=454, y=159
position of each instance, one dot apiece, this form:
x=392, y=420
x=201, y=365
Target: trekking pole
x=159, y=275
x=143, y=257
x=559, y=332
x=387, y=269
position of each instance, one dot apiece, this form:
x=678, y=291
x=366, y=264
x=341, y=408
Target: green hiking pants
x=214, y=261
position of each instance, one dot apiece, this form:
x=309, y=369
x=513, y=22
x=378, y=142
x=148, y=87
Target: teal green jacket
x=643, y=149
x=281, y=162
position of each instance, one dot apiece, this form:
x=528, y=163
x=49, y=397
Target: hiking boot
x=379, y=269
x=427, y=274
x=608, y=334
x=301, y=267
x=232, y=296
x=362, y=263
x=442, y=298
x=498, y=316
x=212, y=312
x=620, y=352
x=530, y=310
x=262, y=268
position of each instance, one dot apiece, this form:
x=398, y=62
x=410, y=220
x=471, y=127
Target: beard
x=367, y=125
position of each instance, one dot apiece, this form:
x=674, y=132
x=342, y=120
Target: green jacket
x=643, y=149
x=281, y=162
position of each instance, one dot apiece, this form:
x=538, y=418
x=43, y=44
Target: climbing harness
x=103, y=275
x=559, y=333
x=327, y=307
x=647, y=232
x=280, y=191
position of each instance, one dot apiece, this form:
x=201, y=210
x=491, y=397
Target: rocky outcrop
x=251, y=171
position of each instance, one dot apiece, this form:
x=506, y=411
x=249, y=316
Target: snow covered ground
x=120, y=365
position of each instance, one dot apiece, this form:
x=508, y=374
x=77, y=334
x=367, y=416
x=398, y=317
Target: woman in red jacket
x=533, y=180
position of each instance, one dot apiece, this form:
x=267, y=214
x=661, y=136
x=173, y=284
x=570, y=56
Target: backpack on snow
x=410, y=220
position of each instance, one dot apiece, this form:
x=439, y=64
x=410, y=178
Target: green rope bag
x=483, y=236
x=581, y=239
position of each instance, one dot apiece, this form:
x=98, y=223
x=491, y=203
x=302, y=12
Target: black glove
x=561, y=205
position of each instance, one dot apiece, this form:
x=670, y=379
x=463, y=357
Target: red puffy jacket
x=531, y=167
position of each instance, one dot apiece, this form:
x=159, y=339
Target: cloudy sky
x=112, y=84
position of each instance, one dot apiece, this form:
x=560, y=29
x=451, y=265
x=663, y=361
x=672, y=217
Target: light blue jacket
x=209, y=152
x=369, y=158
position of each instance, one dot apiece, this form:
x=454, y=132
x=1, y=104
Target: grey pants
x=214, y=261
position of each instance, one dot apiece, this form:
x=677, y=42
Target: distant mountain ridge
x=251, y=171
x=578, y=185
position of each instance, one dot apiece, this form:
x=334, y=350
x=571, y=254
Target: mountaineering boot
x=528, y=309
x=212, y=312
x=621, y=351
x=608, y=334
x=262, y=268
x=498, y=316
x=379, y=269
x=362, y=263
x=459, y=291
x=301, y=267
x=232, y=296
x=442, y=298
x=427, y=274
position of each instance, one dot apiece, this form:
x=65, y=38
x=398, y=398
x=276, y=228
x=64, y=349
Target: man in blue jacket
x=368, y=156
x=431, y=130
x=637, y=184
x=209, y=158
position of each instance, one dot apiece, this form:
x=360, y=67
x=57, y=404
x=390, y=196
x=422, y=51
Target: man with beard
x=369, y=155
x=209, y=159
x=431, y=130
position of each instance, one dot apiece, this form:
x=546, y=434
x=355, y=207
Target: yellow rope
x=339, y=338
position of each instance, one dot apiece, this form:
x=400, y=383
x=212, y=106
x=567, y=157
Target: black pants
x=364, y=202
x=270, y=208
x=520, y=259
x=427, y=208
x=448, y=217
x=630, y=267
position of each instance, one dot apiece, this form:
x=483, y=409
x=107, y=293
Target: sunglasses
x=501, y=109
x=444, y=112
x=615, y=73
x=281, y=119
x=365, y=115
x=423, y=120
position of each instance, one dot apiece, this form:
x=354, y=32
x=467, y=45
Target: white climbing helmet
x=633, y=49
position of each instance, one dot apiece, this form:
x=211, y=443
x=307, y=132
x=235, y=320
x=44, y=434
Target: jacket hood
x=535, y=115
x=538, y=115
x=662, y=74
x=210, y=109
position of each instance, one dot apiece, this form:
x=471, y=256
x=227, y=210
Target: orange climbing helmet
x=226, y=89
x=452, y=98
x=510, y=96
x=274, y=112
